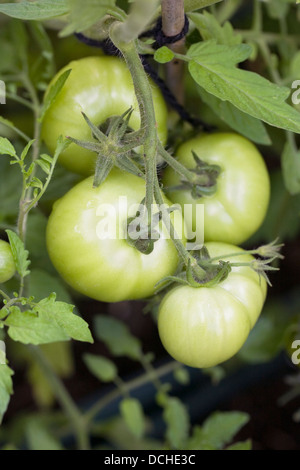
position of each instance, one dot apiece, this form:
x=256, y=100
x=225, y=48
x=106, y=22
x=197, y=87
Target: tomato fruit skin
x=7, y=264
x=238, y=207
x=100, y=87
x=110, y=269
x=203, y=327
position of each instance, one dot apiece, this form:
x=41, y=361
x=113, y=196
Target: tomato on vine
x=203, y=327
x=89, y=246
x=237, y=191
x=7, y=264
x=99, y=87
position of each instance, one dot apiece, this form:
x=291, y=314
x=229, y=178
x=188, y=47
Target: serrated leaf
x=101, y=367
x=19, y=253
x=290, y=163
x=53, y=92
x=163, y=55
x=6, y=388
x=62, y=313
x=177, y=420
x=6, y=148
x=213, y=67
x=29, y=328
x=192, y=5
x=84, y=15
x=39, y=10
x=133, y=414
x=117, y=337
x=239, y=121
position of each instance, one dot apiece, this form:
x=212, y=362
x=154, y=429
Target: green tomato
x=7, y=264
x=238, y=207
x=100, y=87
x=86, y=240
x=203, y=327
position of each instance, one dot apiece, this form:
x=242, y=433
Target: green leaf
x=290, y=163
x=239, y=121
x=117, y=337
x=19, y=253
x=213, y=67
x=83, y=15
x=101, y=367
x=209, y=28
x=176, y=418
x=192, y=5
x=62, y=314
x=6, y=148
x=29, y=328
x=133, y=414
x=39, y=10
x=163, y=55
x=53, y=92
x=6, y=388
x=218, y=430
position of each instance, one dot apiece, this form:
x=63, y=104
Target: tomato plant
x=119, y=120
x=7, y=264
x=237, y=207
x=205, y=326
x=100, y=87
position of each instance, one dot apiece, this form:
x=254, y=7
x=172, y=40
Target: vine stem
x=148, y=122
x=64, y=398
x=129, y=386
x=151, y=144
x=26, y=195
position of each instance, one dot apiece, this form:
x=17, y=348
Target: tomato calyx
x=115, y=146
x=199, y=272
x=201, y=180
x=202, y=270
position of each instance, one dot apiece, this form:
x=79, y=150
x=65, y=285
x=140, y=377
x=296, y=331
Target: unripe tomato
x=87, y=243
x=101, y=87
x=7, y=264
x=203, y=327
x=239, y=205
